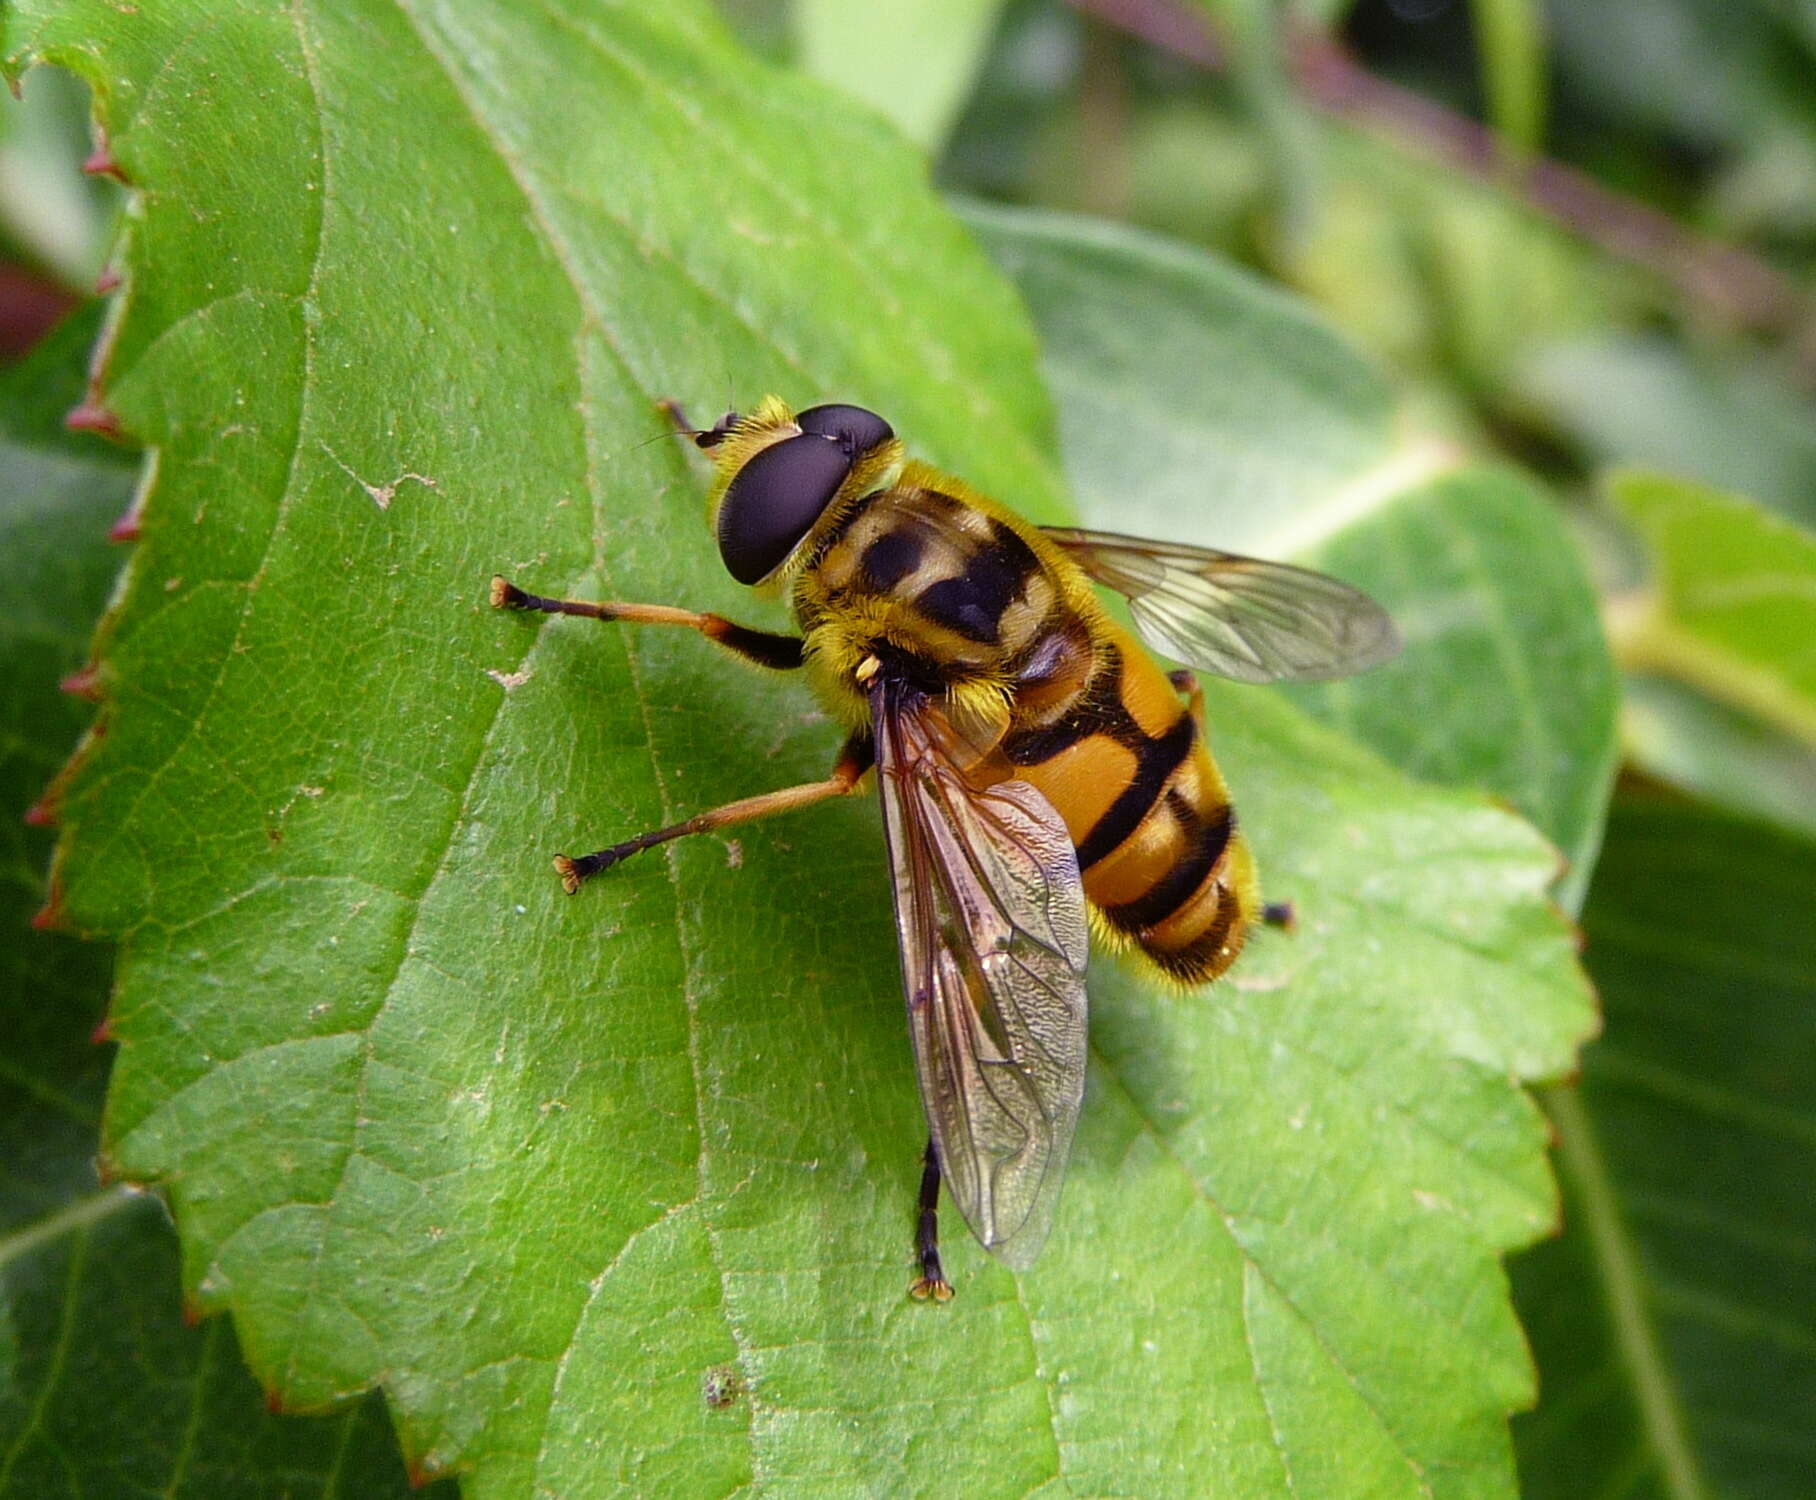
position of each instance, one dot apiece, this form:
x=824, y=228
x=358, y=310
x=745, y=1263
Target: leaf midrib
x=594, y=320
x=80, y=1213
x=1616, y=1259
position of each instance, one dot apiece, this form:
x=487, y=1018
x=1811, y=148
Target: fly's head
x=781, y=472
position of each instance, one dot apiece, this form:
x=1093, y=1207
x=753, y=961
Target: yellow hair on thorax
x=978, y=703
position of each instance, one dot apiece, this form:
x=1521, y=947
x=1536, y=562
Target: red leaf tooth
x=83, y=684
x=103, y=1032
x=91, y=416
x=42, y=813
x=101, y=163
x=107, y=281
x=126, y=529
x=49, y=917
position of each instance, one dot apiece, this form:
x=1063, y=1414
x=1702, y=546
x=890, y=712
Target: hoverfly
x=1042, y=780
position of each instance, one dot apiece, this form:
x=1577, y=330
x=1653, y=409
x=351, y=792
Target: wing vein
x=1239, y=617
x=990, y=916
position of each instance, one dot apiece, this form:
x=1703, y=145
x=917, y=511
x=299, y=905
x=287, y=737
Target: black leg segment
x=931, y=1284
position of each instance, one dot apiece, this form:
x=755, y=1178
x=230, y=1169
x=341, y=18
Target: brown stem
x=1173, y=28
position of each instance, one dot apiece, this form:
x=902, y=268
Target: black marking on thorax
x=971, y=603
x=892, y=557
x=842, y=523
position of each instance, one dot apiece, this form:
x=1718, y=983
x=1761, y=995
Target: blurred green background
x=1579, y=235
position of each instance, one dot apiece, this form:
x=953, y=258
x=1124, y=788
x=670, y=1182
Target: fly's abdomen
x=1164, y=865
x=1182, y=886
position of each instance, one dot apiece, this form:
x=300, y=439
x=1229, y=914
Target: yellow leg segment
x=854, y=760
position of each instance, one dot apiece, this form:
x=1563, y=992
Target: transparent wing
x=990, y=913
x=1236, y=616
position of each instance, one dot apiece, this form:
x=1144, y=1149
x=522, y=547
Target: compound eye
x=855, y=429
x=773, y=501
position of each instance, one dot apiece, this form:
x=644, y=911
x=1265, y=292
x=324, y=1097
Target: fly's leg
x=854, y=760
x=703, y=437
x=931, y=1285
x=1275, y=913
x=782, y=652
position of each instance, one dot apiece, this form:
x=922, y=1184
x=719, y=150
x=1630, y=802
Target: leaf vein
x=563, y=257
x=1261, y=1386
x=1229, y=1223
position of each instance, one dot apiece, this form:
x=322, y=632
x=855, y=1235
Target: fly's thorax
x=930, y=577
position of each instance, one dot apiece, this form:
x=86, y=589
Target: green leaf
x=1191, y=391
x=1254, y=31
x=913, y=61
x=1720, y=754
x=1450, y=278
x=1646, y=400
x=105, y=1388
x=1198, y=403
x=1710, y=72
x=1674, y=1322
x=547, y=1168
x=1732, y=604
x=1506, y=681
